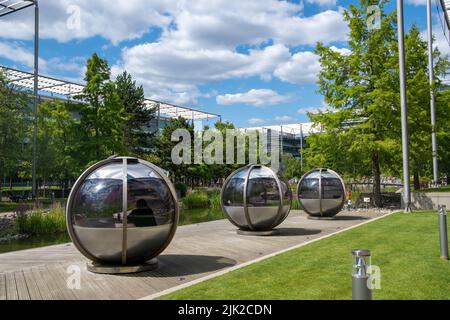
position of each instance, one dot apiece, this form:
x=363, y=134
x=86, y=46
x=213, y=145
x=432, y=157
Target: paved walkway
x=197, y=251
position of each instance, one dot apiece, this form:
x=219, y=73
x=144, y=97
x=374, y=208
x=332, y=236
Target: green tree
x=360, y=89
x=14, y=111
x=136, y=134
x=60, y=142
x=164, y=145
x=103, y=116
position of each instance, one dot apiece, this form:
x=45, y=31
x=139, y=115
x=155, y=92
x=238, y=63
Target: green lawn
x=405, y=247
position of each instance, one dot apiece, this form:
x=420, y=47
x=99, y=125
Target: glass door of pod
x=122, y=211
x=255, y=198
x=321, y=193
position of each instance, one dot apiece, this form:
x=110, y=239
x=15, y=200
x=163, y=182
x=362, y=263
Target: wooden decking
x=196, y=251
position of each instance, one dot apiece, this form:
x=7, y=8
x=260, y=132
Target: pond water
x=190, y=216
x=34, y=242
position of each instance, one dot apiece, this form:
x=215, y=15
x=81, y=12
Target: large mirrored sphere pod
x=321, y=193
x=122, y=211
x=255, y=198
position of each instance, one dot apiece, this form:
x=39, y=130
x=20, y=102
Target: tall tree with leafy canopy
x=14, y=109
x=103, y=116
x=136, y=133
x=418, y=93
x=360, y=89
x=164, y=146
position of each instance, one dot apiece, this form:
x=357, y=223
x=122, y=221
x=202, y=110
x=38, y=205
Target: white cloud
x=254, y=97
x=256, y=121
x=306, y=110
x=198, y=39
x=284, y=118
x=17, y=54
x=165, y=67
x=342, y=51
x=417, y=2
x=323, y=3
x=440, y=41
x=301, y=68
x=117, y=21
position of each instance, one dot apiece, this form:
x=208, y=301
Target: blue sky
x=251, y=61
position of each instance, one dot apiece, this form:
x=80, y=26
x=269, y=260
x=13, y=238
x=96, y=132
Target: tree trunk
x=376, y=179
x=416, y=180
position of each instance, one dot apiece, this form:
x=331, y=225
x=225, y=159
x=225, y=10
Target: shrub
x=42, y=222
x=182, y=188
x=196, y=199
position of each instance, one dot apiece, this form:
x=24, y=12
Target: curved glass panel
x=309, y=188
x=332, y=188
x=262, y=189
x=150, y=202
x=233, y=192
x=99, y=198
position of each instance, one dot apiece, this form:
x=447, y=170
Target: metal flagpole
x=36, y=84
x=404, y=108
x=432, y=98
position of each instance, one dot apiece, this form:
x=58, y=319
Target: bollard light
x=443, y=238
x=360, y=275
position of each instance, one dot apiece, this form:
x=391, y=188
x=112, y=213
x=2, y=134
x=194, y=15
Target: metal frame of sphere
x=322, y=206
x=246, y=226
x=144, y=262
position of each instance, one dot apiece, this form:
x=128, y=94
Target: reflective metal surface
x=108, y=228
x=266, y=203
x=321, y=193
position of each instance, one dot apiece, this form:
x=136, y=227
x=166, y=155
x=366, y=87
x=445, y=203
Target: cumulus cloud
x=284, y=118
x=302, y=67
x=342, y=51
x=254, y=97
x=256, y=121
x=117, y=21
x=198, y=42
x=306, y=110
x=324, y=3
x=17, y=54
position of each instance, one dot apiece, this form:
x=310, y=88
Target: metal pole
x=301, y=147
x=443, y=238
x=35, y=106
x=404, y=108
x=360, y=276
x=432, y=98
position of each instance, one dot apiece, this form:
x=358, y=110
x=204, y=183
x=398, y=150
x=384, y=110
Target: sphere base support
x=320, y=218
x=273, y=232
x=122, y=269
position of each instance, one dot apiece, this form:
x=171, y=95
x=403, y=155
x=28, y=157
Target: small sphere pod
x=255, y=198
x=321, y=193
x=122, y=211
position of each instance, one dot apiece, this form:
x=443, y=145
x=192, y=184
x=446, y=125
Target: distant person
x=142, y=216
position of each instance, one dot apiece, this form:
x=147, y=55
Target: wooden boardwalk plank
x=33, y=287
x=2, y=286
x=22, y=288
x=11, y=288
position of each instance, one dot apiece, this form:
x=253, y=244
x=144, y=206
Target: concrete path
x=196, y=252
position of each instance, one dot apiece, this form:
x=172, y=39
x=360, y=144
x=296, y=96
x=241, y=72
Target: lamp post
x=404, y=108
x=432, y=98
x=9, y=7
